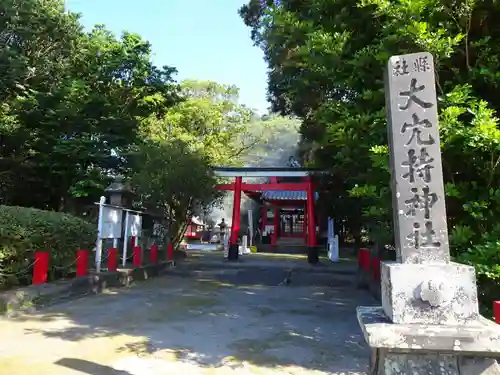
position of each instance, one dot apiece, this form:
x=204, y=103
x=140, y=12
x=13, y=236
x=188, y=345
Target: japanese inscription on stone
x=416, y=171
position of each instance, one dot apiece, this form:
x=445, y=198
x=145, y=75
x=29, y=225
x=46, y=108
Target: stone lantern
x=119, y=193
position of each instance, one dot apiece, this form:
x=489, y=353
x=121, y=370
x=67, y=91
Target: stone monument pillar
x=429, y=321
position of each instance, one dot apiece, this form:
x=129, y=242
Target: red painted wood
x=41, y=267
x=137, y=256
x=376, y=268
x=496, y=311
x=235, y=226
x=311, y=226
x=364, y=259
x=288, y=186
x=170, y=251
x=112, y=259
x=305, y=226
x=82, y=263
x=276, y=223
x=153, y=254
x=263, y=218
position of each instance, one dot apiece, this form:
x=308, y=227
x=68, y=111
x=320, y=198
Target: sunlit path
x=176, y=325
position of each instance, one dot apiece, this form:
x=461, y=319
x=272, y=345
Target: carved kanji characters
x=418, y=165
x=400, y=68
x=411, y=94
x=421, y=202
x=417, y=132
x=425, y=239
x=421, y=65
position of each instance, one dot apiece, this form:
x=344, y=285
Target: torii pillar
x=312, y=251
x=235, y=226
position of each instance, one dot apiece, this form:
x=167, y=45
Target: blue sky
x=203, y=39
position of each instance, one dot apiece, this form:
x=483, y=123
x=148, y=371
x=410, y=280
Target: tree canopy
x=326, y=60
x=71, y=103
x=209, y=119
x=78, y=108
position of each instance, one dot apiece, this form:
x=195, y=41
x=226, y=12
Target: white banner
x=111, y=222
x=250, y=226
x=134, y=225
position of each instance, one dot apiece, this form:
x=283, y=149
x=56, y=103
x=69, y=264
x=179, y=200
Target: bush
x=485, y=257
x=26, y=230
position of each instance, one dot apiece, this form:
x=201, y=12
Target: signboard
x=111, y=222
x=134, y=225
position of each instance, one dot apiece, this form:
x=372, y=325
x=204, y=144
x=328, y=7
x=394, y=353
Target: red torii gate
x=251, y=189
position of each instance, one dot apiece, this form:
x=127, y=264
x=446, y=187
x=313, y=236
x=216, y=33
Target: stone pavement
x=210, y=323
x=211, y=259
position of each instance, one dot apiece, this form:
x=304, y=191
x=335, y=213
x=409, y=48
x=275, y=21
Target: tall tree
x=175, y=181
x=209, y=119
x=72, y=105
x=326, y=61
x=276, y=139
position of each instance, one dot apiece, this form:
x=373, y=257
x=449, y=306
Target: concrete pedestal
x=418, y=349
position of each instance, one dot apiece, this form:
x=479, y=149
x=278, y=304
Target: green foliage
x=70, y=105
x=78, y=108
x=326, y=61
x=209, y=119
x=26, y=230
x=275, y=139
x=174, y=180
x=485, y=257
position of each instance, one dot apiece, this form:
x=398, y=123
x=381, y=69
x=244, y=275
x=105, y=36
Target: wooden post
x=40, y=268
x=82, y=263
x=112, y=259
x=137, y=256
x=235, y=226
x=153, y=255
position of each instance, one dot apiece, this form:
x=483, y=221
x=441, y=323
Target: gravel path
x=180, y=325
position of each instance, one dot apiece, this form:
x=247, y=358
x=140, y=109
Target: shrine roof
x=284, y=195
x=263, y=171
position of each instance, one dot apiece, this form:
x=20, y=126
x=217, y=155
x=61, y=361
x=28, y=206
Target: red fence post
x=112, y=259
x=137, y=256
x=82, y=263
x=496, y=311
x=153, y=255
x=364, y=259
x=170, y=251
x=41, y=267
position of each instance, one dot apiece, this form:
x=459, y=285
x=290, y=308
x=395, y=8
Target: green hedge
x=26, y=230
x=485, y=257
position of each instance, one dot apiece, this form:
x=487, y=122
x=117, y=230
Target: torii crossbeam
x=258, y=189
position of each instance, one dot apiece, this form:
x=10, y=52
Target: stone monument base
x=419, y=349
x=404, y=288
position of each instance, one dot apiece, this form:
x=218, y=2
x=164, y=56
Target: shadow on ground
x=87, y=367
x=220, y=321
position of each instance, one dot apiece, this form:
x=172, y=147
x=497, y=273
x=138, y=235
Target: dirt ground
x=186, y=325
